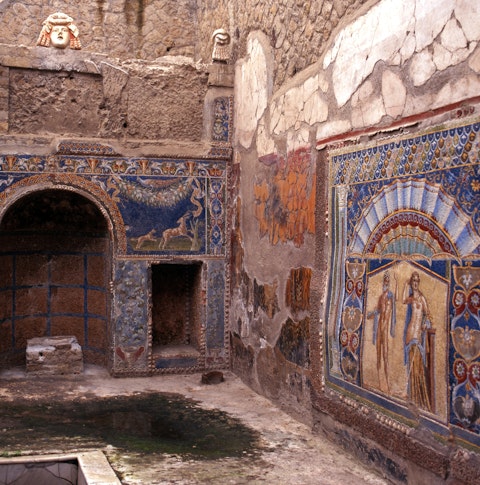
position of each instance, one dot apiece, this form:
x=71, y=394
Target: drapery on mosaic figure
x=417, y=346
x=384, y=318
x=60, y=32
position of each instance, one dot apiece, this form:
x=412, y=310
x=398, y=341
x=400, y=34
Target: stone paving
x=291, y=453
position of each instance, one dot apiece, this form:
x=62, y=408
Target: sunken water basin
x=150, y=425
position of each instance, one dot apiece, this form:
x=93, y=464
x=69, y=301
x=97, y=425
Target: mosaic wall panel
x=165, y=206
x=403, y=325
x=158, y=208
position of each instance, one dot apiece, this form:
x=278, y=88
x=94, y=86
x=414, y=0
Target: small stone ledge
x=51, y=59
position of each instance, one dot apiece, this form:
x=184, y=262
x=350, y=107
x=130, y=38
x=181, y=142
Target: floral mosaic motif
x=465, y=331
x=285, y=202
x=405, y=232
x=222, y=111
x=130, y=313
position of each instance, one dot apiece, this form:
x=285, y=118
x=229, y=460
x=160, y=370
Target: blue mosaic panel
x=130, y=314
x=222, y=114
x=403, y=325
x=165, y=206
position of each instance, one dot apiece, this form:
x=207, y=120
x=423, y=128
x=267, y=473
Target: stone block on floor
x=58, y=355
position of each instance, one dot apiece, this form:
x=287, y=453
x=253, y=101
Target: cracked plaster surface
x=413, y=40
x=252, y=91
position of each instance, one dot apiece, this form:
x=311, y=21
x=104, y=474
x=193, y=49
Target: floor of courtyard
x=287, y=452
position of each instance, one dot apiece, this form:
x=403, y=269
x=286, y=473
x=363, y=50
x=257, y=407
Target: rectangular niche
x=177, y=309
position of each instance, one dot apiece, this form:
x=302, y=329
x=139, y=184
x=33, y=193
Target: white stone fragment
x=422, y=68
x=394, y=94
x=309, y=87
x=457, y=90
x=377, y=35
x=331, y=128
x=442, y=57
x=297, y=139
x=265, y=144
x=315, y=109
x=452, y=36
x=467, y=13
x=293, y=105
x=474, y=62
x=430, y=19
x=251, y=91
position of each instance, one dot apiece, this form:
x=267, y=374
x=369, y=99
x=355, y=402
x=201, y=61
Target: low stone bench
x=59, y=355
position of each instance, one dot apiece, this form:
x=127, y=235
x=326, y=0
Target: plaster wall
x=395, y=69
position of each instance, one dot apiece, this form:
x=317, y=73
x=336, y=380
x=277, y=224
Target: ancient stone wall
x=120, y=28
x=298, y=31
x=87, y=95
x=388, y=114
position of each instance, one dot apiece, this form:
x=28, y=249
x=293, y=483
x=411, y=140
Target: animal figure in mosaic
x=150, y=236
x=180, y=230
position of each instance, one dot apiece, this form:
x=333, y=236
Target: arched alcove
x=55, y=260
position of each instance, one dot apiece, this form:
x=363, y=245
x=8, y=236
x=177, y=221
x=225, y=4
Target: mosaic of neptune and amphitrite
x=166, y=206
x=404, y=319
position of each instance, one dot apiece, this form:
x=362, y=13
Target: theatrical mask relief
x=404, y=322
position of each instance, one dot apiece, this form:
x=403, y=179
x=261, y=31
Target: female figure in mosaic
x=417, y=322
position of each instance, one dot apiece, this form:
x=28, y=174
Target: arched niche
x=55, y=265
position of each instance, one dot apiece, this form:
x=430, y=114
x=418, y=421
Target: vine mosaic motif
x=166, y=206
x=404, y=322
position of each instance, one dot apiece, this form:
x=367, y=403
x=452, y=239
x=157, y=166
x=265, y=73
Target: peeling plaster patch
x=468, y=14
x=452, y=36
x=457, y=90
x=252, y=91
x=422, y=68
x=394, y=94
x=429, y=22
x=265, y=145
x=373, y=33
x=332, y=128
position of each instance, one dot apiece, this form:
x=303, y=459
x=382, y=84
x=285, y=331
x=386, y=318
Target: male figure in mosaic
x=417, y=322
x=384, y=319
